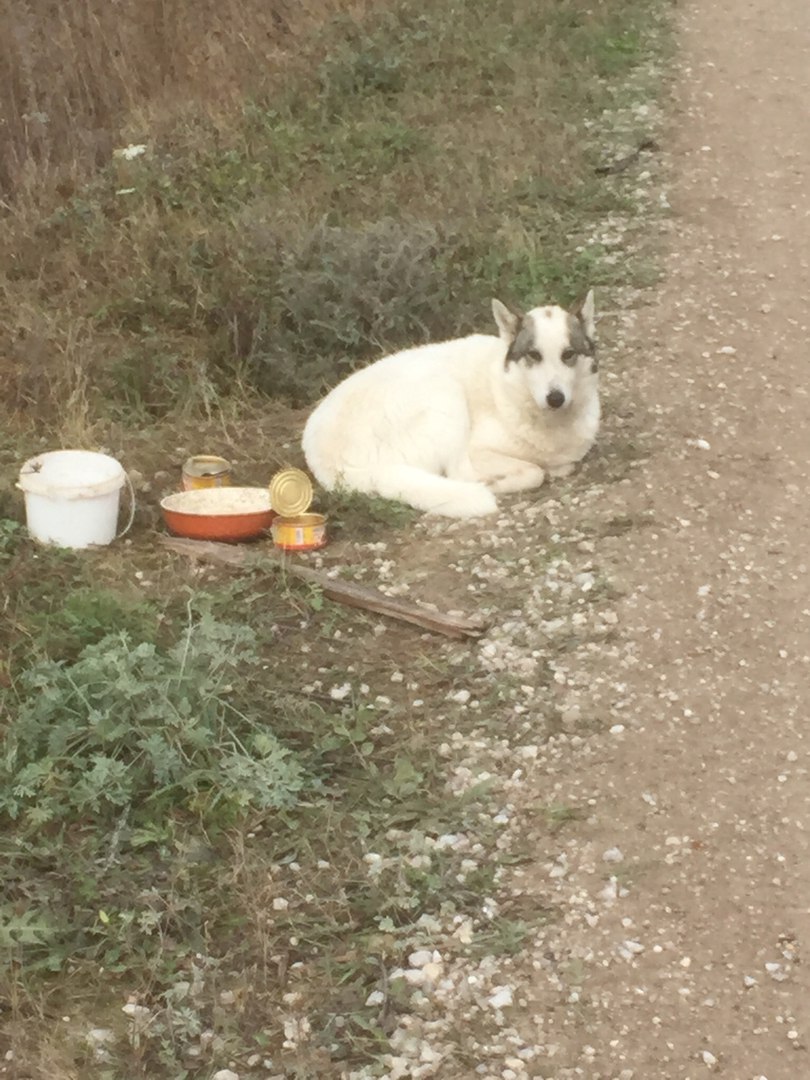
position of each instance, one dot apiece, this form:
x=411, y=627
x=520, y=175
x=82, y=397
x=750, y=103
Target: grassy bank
x=227, y=804
x=395, y=173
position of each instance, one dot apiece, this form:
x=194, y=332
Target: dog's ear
x=585, y=311
x=508, y=321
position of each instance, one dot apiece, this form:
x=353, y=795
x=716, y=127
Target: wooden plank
x=342, y=592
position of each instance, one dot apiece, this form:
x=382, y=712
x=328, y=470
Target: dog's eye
x=534, y=356
x=569, y=357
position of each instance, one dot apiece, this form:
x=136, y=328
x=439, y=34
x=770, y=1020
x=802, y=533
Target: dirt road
x=700, y=963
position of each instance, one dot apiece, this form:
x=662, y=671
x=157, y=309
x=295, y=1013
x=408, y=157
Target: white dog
x=447, y=426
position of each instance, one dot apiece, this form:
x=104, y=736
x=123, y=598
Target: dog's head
x=553, y=348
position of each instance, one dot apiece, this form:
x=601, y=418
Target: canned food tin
x=206, y=471
x=290, y=493
x=306, y=532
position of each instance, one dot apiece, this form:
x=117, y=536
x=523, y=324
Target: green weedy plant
x=129, y=728
x=10, y=535
x=84, y=615
x=350, y=72
x=26, y=928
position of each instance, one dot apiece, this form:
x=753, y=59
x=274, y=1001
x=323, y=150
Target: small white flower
x=375, y=864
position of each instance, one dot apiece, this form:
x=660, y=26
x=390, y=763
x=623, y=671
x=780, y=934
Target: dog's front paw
x=520, y=480
x=561, y=471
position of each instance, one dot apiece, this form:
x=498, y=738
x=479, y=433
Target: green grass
x=363, y=517
x=152, y=747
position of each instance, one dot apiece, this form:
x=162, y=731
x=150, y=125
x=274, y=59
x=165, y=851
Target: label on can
x=290, y=492
x=206, y=471
x=303, y=533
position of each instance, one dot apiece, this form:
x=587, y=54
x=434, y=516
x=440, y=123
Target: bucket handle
x=128, y=525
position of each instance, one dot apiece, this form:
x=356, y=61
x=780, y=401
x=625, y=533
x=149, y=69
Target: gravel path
x=690, y=960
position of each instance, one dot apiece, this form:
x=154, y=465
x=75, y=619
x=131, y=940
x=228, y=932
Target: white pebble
x=419, y=958
x=501, y=997
x=100, y=1035
x=460, y=696
x=137, y=1012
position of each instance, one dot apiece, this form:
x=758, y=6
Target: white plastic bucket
x=72, y=498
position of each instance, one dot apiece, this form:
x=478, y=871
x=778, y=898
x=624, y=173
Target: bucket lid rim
x=37, y=481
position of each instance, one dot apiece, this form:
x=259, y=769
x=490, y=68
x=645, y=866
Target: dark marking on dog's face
x=524, y=344
x=578, y=338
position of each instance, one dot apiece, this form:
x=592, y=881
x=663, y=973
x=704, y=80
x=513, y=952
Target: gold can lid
x=290, y=492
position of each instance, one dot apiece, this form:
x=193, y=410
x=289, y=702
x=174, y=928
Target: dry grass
x=298, y=156
x=76, y=77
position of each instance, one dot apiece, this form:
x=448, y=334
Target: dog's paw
x=561, y=471
x=520, y=480
x=468, y=501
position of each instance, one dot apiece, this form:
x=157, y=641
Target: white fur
x=445, y=427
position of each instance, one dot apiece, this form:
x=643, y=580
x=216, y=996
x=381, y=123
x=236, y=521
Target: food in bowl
x=228, y=514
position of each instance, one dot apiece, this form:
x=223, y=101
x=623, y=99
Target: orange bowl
x=226, y=513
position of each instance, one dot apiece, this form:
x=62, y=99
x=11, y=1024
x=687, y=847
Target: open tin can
x=295, y=528
x=306, y=532
x=206, y=471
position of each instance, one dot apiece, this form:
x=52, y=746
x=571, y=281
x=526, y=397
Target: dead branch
x=342, y=592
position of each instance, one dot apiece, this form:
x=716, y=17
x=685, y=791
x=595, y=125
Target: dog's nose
x=555, y=398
